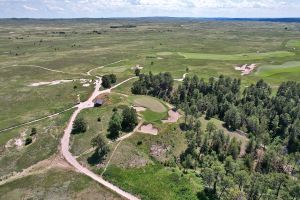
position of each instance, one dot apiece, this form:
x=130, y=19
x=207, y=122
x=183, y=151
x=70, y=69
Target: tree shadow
x=207, y=194
x=95, y=159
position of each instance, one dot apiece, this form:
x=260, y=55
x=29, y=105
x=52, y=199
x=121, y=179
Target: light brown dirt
x=148, y=129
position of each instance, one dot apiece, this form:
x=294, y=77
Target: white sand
x=246, y=69
x=173, y=117
x=56, y=82
x=139, y=108
x=149, y=129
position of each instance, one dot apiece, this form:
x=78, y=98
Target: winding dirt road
x=65, y=142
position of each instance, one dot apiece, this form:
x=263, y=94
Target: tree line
x=269, y=168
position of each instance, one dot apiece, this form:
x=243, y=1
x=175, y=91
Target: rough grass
x=150, y=103
x=156, y=182
x=55, y=184
x=45, y=144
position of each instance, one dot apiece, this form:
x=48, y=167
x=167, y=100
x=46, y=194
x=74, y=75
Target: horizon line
x=150, y=17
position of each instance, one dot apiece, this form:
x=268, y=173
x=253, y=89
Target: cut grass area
x=293, y=44
x=55, y=184
x=154, y=117
x=286, y=71
x=149, y=102
x=45, y=144
x=155, y=182
x=244, y=56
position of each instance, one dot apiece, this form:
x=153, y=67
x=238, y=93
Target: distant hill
x=290, y=20
x=150, y=19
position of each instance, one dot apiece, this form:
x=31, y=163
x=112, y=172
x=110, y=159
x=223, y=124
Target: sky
x=148, y=8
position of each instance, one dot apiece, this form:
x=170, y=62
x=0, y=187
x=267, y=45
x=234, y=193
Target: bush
x=108, y=80
x=33, y=131
x=28, y=141
x=79, y=126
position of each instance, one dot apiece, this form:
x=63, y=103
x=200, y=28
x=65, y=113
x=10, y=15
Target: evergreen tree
x=130, y=119
x=115, y=125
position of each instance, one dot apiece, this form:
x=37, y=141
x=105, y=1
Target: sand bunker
x=139, y=108
x=246, y=69
x=86, y=85
x=149, y=129
x=173, y=117
x=137, y=67
x=56, y=82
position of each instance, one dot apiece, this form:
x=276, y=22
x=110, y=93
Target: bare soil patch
x=148, y=129
x=159, y=151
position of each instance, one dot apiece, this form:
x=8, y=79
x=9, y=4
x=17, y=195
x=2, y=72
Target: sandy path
x=65, y=143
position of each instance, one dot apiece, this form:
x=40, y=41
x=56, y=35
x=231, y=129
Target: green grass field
x=238, y=57
x=156, y=182
x=207, y=48
x=151, y=103
x=55, y=184
x=45, y=144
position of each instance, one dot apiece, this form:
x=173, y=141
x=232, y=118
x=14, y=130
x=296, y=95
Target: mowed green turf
x=150, y=103
x=293, y=44
x=56, y=184
x=287, y=71
x=242, y=56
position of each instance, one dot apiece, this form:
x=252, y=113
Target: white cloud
x=136, y=8
x=30, y=8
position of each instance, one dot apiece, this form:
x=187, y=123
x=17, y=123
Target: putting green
x=244, y=56
x=164, y=53
x=150, y=103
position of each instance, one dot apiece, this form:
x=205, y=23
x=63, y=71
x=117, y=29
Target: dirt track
x=65, y=142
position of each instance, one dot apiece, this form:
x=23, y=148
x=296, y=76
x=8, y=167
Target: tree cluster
x=160, y=85
x=125, y=121
x=108, y=80
x=79, y=126
x=255, y=110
